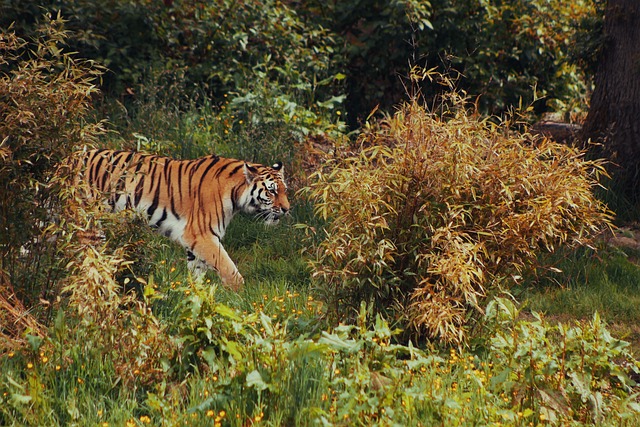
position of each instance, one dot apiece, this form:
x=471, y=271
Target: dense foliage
x=501, y=51
x=208, y=48
x=182, y=356
x=45, y=101
x=439, y=210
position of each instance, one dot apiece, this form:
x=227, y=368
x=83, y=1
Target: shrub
x=115, y=326
x=45, y=99
x=438, y=211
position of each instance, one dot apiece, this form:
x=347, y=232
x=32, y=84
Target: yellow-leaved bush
x=434, y=213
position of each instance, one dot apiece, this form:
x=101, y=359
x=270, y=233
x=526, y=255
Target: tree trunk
x=614, y=115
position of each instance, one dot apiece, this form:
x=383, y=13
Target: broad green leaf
x=254, y=379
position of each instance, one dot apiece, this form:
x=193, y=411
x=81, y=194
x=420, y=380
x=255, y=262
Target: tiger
x=189, y=201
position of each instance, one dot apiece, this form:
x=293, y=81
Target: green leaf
x=227, y=312
x=266, y=324
x=337, y=343
x=206, y=404
x=34, y=341
x=20, y=399
x=254, y=379
x=233, y=348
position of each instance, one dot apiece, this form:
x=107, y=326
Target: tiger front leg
x=216, y=257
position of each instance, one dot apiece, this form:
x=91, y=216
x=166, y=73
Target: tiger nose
x=284, y=210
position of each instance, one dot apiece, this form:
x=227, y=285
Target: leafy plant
x=436, y=211
x=46, y=96
x=562, y=372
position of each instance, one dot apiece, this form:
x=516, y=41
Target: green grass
x=607, y=282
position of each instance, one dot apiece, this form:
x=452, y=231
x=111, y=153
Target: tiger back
x=189, y=201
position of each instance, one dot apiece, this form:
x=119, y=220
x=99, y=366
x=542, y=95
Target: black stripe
x=191, y=169
x=214, y=160
x=128, y=158
x=221, y=216
x=138, y=192
x=156, y=200
x=173, y=206
x=171, y=193
x=162, y=218
x=103, y=182
x=199, y=162
x=222, y=169
x=213, y=232
x=138, y=165
x=236, y=169
x=167, y=162
x=180, y=168
x=234, y=197
x=93, y=174
x=208, y=168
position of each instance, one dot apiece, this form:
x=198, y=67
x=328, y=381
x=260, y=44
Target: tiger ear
x=250, y=172
x=278, y=166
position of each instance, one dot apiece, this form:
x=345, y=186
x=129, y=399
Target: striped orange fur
x=189, y=201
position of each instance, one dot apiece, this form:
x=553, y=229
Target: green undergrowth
x=606, y=282
x=186, y=353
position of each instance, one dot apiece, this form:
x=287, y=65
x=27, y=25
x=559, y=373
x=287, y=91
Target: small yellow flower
x=80, y=381
x=58, y=367
x=29, y=365
x=131, y=423
x=222, y=413
x=45, y=359
x=145, y=419
x=210, y=413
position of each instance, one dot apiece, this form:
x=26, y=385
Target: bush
x=45, y=98
x=438, y=211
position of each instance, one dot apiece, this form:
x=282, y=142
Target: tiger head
x=267, y=192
